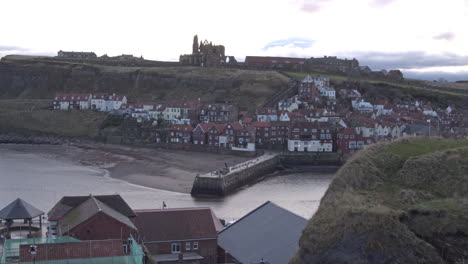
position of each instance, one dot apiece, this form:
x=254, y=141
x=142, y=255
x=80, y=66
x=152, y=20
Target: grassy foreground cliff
x=400, y=202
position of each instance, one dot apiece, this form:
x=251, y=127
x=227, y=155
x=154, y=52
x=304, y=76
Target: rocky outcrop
x=400, y=202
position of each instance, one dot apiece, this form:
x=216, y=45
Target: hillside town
x=105, y=229
x=318, y=118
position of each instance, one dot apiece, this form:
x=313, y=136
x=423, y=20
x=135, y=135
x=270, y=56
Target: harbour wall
x=221, y=183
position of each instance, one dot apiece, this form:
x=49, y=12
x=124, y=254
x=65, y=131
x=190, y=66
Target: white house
x=382, y=130
x=114, y=102
x=98, y=102
x=320, y=82
x=106, y=102
x=427, y=110
x=72, y=101
x=171, y=112
x=285, y=116
x=290, y=104
x=362, y=106
x=328, y=93
x=387, y=110
x=309, y=145
x=267, y=114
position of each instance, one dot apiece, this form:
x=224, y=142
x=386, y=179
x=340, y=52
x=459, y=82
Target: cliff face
x=33, y=77
x=401, y=202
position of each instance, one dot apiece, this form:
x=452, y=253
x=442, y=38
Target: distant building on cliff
x=204, y=54
x=74, y=54
x=332, y=64
x=327, y=63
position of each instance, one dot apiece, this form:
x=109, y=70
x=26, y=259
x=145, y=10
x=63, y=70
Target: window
x=188, y=246
x=195, y=245
x=175, y=247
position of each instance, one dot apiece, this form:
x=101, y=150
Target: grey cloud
x=295, y=42
x=381, y=3
x=4, y=48
x=449, y=36
x=408, y=60
x=10, y=50
x=312, y=6
x=435, y=75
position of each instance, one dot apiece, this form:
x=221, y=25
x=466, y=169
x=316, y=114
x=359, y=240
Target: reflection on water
x=42, y=182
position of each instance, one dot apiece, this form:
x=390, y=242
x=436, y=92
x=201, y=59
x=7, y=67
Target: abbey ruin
x=204, y=54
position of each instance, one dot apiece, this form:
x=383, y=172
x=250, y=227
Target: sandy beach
x=162, y=169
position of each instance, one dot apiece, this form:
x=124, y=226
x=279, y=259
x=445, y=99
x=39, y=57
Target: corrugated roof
x=269, y=232
x=19, y=209
x=177, y=224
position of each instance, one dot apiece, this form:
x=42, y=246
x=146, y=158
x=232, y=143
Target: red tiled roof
x=236, y=125
x=72, y=97
x=182, y=127
x=261, y=124
x=205, y=126
x=177, y=224
x=247, y=120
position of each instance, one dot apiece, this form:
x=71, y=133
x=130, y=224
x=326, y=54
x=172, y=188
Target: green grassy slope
x=400, y=202
x=36, y=77
x=28, y=116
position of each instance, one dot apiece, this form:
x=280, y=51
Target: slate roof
x=19, y=209
x=177, y=224
x=269, y=232
x=67, y=203
x=87, y=210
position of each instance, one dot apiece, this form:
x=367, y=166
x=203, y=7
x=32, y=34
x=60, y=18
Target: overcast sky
x=424, y=38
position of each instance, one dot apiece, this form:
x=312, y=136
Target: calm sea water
x=42, y=182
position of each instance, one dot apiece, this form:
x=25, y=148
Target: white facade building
x=309, y=146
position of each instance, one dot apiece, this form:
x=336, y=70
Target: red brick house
x=308, y=92
x=229, y=135
x=180, y=133
x=74, y=250
x=200, y=133
x=279, y=132
x=348, y=140
x=214, y=133
x=92, y=218
x=263, y=132
x=310, y=136
x=187, y=235
x=218, y=113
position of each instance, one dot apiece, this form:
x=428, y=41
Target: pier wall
x=247, y=172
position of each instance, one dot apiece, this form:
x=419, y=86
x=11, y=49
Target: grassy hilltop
x=400, y=202
x=40, y=78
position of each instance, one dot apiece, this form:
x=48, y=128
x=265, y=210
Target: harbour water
x=42, y=181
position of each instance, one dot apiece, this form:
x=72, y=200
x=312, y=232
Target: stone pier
x=226, y=180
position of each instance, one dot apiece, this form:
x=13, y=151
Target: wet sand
x=161, y=169
x=42, y=174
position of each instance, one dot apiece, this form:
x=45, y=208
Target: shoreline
x=160, y=169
